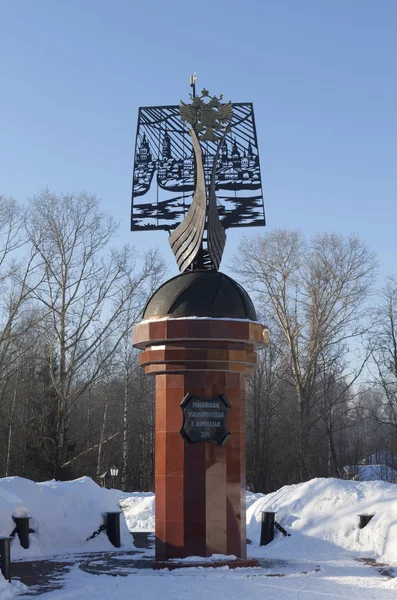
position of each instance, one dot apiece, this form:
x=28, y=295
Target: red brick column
x=200, y=487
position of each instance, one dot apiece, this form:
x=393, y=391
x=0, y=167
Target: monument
x=199, y=329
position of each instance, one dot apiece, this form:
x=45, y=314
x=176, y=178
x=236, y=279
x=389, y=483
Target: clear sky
x=322, y=75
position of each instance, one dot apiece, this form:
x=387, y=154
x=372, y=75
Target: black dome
x=200, y=294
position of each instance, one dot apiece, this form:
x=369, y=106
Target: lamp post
x=114, y=471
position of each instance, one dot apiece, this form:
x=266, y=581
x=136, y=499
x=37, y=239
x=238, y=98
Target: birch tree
x=263, y=417
x=16, y=314
x=383, y=346
x=317, y=290
x=87, y=287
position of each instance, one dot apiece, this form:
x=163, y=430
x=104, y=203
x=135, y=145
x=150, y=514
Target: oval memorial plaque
x=205, y=419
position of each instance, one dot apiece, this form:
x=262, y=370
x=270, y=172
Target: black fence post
x=140, y=539
x=22, y=526
x=113, y=528
x=364, y=520
x=5, y=559
x=267, y=528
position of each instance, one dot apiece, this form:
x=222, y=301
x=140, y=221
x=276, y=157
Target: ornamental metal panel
x=164, y=177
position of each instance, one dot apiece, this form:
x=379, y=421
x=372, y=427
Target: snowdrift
x=322, y=517
x=5, y=591
x=138, y=509
x=63, y=515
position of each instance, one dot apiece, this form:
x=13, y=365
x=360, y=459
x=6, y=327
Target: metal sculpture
x=208, y=117
x=216, y=150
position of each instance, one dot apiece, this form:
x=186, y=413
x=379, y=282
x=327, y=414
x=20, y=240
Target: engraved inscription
x=205, y=419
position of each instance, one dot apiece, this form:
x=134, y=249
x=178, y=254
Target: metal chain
x=97, y=532
x=278, y=526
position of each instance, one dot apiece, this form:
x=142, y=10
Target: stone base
x=200, y=487
x=232, y=564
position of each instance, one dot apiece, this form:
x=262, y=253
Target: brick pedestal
x=200, y=488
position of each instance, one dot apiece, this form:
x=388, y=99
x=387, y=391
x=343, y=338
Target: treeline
x=74, y=400
x=324, y=395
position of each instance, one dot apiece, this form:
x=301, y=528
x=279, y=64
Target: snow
x=9, y=590
x=340, y=580
x=323, y=514
x=197, y=319
x=371, y=472
x=214, y=558
x=251, y=497
x=63, y=515
x=372, y=468
x=319, y=560
x=138, y=509
x=4, y=593
x=379, y=458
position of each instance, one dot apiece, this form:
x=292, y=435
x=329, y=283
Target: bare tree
x=317, y=290
x=337, y=398
x=383, y=346
x=128, y=362
x=263, y=403
x=87, y=289
x=16, y=275
x=16, y=312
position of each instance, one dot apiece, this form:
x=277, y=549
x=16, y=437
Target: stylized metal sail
x=207, y=175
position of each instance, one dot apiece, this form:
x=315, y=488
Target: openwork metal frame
x=201, y=160
x=164, y=177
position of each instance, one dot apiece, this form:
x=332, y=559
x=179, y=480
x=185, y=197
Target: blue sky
x=322, y=76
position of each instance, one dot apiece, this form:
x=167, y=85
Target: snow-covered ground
x=339, y=579
x=321, y=558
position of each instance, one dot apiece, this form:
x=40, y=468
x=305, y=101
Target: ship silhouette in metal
x=199, y=151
